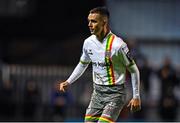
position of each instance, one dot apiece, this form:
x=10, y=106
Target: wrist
x=67, y=82
x=136, y=96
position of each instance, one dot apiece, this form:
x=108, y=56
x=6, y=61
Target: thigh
x=113, y=108
x=93, y=114
x=95, y=108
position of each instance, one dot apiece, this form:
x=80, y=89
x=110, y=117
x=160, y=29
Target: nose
x=89, y=24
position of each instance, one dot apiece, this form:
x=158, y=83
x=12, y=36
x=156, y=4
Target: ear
x=105, y=20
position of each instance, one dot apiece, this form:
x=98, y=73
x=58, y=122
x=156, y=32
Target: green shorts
x=106, y=103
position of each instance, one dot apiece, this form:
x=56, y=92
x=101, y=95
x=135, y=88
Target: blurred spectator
x=177, y=89
x=146, y=72
x=31, y=100
x=59, y=103
x=168, y=105
x=7, y=101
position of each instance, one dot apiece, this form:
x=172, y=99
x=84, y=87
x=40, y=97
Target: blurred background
x=41, y=42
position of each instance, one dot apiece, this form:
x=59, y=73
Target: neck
x=103, y=34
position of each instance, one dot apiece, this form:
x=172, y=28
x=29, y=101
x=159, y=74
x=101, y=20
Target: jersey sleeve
x=126, y=57
x=85, y=59
x=78, y=71
x=128, y=61
x=82, y=65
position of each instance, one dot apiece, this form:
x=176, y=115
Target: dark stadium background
x=32, y=30
x=41, y=42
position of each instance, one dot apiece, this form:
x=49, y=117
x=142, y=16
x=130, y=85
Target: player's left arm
x=135, y=102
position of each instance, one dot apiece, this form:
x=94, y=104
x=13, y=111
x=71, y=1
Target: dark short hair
x=100, y=10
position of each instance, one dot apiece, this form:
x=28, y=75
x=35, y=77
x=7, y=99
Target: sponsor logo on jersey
x=100, y=64
x=90, y=52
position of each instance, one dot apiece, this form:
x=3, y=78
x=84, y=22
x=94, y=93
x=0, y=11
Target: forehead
x=95, y=16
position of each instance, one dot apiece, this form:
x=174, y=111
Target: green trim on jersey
x=84, y=62
x=108, y=60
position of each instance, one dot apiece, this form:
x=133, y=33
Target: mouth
x=91, y=30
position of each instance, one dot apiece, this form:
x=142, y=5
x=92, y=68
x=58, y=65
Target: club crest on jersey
x=90, y=52
x=108, y=53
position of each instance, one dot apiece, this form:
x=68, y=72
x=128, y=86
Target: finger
x=129, y=104
x=61, y=88
x=131, y=107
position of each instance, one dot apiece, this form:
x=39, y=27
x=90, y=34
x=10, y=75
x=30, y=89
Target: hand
x=63, y=86
x=135, y=104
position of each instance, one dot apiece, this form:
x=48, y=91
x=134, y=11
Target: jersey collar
x=105, y=38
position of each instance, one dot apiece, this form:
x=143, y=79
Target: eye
x=93, y=21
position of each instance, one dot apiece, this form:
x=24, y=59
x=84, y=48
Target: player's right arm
x=78, y=71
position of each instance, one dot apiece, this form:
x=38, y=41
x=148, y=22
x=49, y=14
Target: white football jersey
x=109, y=59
